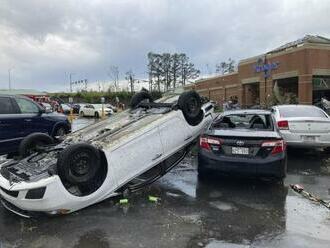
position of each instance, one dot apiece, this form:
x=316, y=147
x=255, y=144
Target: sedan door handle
x=157, y=156
x=27, y=120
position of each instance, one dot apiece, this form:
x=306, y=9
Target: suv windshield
x=244, y=121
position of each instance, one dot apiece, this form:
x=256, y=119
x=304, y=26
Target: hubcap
x=80, y=164
x=192, y=105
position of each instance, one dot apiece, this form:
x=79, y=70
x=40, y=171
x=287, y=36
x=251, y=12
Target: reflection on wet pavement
x=82, y=122
x=218, y=212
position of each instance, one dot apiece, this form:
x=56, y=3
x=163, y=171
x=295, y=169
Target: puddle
x=223, y=206
x=94, y=238
x=220, y=244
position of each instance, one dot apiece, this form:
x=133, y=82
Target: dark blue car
x=20, y=117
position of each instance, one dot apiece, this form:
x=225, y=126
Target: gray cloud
x=42, y=40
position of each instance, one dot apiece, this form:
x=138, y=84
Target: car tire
x=30, y=142
x=138, y=98
x=60, y=131
x=82, y=114
x=97, y=115
x=79, y=163
x=190, y=104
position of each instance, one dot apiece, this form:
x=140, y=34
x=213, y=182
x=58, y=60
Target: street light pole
x=70, y=78
x=9, y=78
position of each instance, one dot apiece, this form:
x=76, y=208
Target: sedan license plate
x=309, y=138
x=240, y=150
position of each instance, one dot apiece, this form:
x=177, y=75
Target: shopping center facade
x=301, y=68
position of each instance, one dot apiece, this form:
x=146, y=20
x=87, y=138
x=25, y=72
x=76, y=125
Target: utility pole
x=9, y=78
x=70, y=78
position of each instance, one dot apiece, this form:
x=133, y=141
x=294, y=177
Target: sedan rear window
x=301, y=112
x=244, y=121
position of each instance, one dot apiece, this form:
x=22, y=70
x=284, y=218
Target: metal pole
x=9, y=79
x=70, y=82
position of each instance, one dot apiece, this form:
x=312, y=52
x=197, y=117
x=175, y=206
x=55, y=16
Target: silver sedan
x=303, y=125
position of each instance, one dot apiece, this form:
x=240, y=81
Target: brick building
x=301, y=68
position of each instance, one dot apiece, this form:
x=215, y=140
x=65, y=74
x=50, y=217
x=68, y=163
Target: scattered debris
x=300, y=189
x=153, y=199
x=123, y=201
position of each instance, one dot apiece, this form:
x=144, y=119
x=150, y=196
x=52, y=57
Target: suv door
x=11, y=129
x=32, y=117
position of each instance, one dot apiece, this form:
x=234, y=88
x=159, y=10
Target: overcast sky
x=43, y=41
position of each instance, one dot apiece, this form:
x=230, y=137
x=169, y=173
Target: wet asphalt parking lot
x=219, y=212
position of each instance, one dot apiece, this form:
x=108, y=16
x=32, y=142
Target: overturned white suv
x=121, y=154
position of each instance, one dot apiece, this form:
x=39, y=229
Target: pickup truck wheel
x=79, y=163
x=190, y=104
x=30, y=143
x=140, y=97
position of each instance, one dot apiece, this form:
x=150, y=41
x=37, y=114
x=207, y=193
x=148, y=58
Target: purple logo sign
x=265, y=67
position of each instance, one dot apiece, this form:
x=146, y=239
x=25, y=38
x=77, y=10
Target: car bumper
x=274, y=166
x=297, y=139
x=55, y=200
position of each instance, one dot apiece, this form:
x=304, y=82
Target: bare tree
x=131, y=80
x=170, y=69
x=226, y=67
x=113, y=73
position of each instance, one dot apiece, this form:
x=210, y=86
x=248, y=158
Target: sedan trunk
x=309, y=125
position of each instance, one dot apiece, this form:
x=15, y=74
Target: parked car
x=48, y=108
x=65, y=108
x=94, y=110
x=243, y=142
x=114, y=108
x=76, y=108
x=21, y=117
x=303, y=125
x=106, y=158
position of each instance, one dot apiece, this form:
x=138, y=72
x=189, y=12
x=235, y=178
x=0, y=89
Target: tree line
x=168, y=70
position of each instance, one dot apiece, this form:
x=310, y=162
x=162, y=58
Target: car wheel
x=97, y=115
x=31, y=142
x=138, y=98
x=60, y=131
x=190, y=104
x=82, y=114
x=78, y=163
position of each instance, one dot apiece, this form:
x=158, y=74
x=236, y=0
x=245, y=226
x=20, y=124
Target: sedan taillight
x=278, y=146
x=283, y=125
x=205, y=142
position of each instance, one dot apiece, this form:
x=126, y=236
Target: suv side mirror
x=42, y=111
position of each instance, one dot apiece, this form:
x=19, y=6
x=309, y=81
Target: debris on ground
x=300, y=189
x=123, y=201
x=153, y=199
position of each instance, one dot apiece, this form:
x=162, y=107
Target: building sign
x=263, y=66
x=320, y=83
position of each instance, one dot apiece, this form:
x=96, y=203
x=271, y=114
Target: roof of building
x=29, y=92
x=315, y=39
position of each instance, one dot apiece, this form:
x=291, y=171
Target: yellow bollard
x=71, y=115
